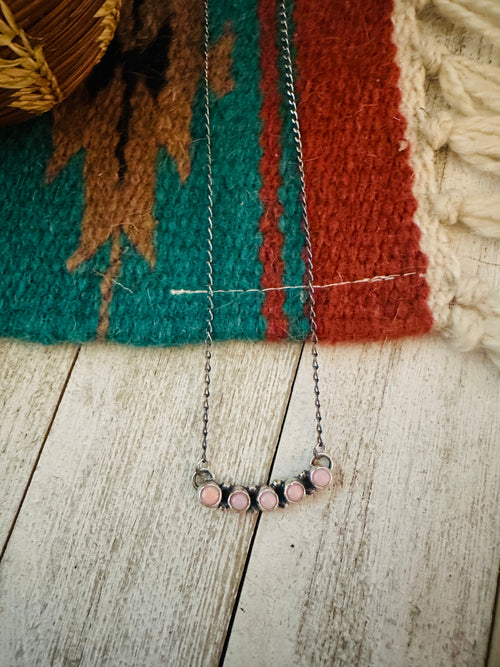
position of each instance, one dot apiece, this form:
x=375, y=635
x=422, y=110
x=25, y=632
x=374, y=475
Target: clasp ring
x=201, y=476
x=322, y=459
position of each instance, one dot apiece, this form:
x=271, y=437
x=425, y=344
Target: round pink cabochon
x=294, y=492
x=268, y=499
x=210, y=495
x=321, y=477
x=239, y=501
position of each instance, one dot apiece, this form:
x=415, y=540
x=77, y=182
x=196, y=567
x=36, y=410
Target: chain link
x=319, y=448
x=210, y=227
x=311, y=301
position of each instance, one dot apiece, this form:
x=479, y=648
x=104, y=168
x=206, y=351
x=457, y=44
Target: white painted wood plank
x=400, y=568
x=112, y=560
x=494, y=648
x=31, y=380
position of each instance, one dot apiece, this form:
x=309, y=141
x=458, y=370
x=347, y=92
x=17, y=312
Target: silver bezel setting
x=310, y=476
x=239, y=489
x=288, y=484
x=267, y=489
x=215, y=486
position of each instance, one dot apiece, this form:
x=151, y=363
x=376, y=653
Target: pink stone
x=210, y=495
x=321, y=477
x=294, y=491
x=239, y=500
x=268, y=499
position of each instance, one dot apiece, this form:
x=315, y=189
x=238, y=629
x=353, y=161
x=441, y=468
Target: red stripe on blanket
x=358, y=176
x=272, y=237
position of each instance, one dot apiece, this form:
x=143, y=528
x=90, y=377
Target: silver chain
x=309, y=269
x=210, y=227
x=311, y=302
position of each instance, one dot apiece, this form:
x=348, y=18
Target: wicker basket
x=47, y=47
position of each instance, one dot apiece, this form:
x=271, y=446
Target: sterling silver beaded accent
x=265, y=498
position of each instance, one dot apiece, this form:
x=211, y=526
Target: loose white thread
x=374, y=279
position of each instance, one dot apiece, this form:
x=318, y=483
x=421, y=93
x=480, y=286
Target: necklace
x=263, y=497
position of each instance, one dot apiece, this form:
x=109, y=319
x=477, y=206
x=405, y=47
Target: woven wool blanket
x=104, y=200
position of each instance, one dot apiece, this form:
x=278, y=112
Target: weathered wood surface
x=109, y=564
x=112, y=560
x=32, y=378
x=400, y=567
x=494, y=648
x=112, y=563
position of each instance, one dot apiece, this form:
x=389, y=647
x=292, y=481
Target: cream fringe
x=475, y=139
x=481, y=16
x=479, y=212
x=467, y=86
x=465, y=309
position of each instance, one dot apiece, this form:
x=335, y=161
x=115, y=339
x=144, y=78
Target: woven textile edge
x=465, y=310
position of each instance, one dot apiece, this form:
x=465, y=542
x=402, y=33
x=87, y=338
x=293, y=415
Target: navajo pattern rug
x=104, y=204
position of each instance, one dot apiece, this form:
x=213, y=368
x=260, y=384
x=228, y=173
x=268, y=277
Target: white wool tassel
x=470, y=331
x=468, y=86
x=475, y=320
x=476, y=139
x=480, y=212
x=481, y=16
